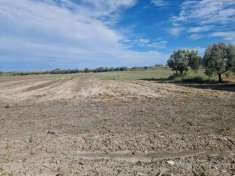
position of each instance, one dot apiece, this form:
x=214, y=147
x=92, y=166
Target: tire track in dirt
x=30, y=89
x=148, y=157
x=40, y=86
x=15, y=83
x=133, y=157
x=50, y=88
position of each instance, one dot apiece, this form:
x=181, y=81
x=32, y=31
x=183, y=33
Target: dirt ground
x=67, y=125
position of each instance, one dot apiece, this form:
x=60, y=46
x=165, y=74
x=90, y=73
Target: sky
x=68, y=34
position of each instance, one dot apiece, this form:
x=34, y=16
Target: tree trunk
x=220, y=77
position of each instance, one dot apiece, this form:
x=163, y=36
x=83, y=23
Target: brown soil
x=80, y=125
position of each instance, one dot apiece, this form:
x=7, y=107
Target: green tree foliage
x=183, y=59
x=194, y=59
x=219, y=59
x=231, y=57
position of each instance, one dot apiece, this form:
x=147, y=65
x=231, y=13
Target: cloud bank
x=203, y=18
x=61, y=33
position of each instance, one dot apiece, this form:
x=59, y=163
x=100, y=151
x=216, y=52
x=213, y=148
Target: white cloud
x=97, y=7
x=175, y=31
x=229, y=36
x=207, y=16
x=158, y=45
x=207, y=11
x=147, y=43
x=106, y=9
x=196, y=36
x=48, y=23
x=144, y=41
x=66, y=33
x=160, y=3
x=199, y=29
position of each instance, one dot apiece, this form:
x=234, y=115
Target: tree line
x=86, y=70
x=218, y=59
x=100, y=69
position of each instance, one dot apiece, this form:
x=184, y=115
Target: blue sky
x=48, y=34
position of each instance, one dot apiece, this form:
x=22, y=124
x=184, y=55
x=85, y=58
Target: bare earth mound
x=81, y=125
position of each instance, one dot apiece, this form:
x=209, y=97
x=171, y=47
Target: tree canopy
x=183, y=59
x=219, y=59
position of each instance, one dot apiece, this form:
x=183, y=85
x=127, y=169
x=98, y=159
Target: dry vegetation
x=119, y=123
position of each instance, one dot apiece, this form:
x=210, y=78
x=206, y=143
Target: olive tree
x=219, y=59
x=194, y=59
x=183, y=59
x=231, y=57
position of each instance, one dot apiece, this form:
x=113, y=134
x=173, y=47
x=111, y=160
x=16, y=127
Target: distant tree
x=219, y=59
x=194, y=59
x=158, y=65
x=56, y=71
x=183, y=59
x=99, y=69
x=123, y=68
x=231, y=57
x=146, y=68
x=134, y=68
x=177, y=62
x=86, y=70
